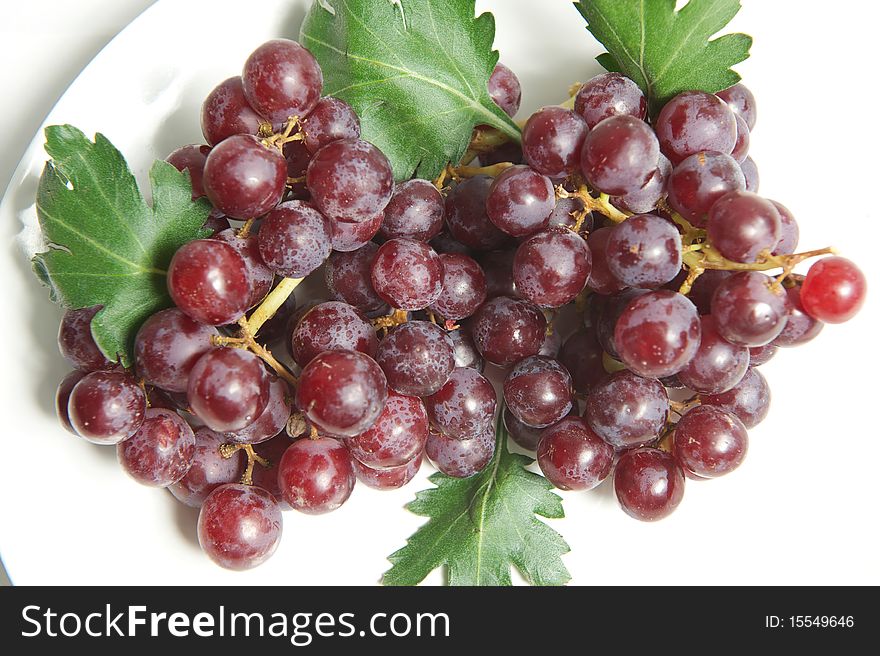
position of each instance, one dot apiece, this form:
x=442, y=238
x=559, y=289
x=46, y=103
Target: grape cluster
x=428, y=282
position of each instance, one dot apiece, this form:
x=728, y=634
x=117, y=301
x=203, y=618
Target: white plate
x=803, y=507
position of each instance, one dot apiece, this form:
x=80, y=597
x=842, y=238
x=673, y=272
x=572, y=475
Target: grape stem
x=271, y=303
x=600, y=203
x=292, y=132
x=396, y=318
x=245, y=230
x=229, y=450
x=458, y=172
x=485, y=139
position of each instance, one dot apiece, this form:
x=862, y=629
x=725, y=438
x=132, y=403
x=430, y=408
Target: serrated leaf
x=481, y=526
x=415, y=71
x=106, y=245
x=667, y=51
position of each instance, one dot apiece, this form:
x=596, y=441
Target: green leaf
x=667, y=51
x=106, y=246
x=480, y=526
x=415, y=71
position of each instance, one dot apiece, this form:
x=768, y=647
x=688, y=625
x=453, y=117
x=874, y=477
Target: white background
x=802, y=509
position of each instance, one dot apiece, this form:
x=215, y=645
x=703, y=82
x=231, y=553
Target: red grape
x=106, y=407
x=76, y=342
x=834, y=290
x=649, y=484
x=397, y=437
x=282, y=79
x=538, y=391
x=573, y=457
x=332, y=326
x=417, y=358
x=161, y=452
x=228, y=389
x=316, y=475
x=709, y=442
x=464, y=407
x=408, y=274
x=506, y=330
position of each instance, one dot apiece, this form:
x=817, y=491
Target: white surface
x=803, y=507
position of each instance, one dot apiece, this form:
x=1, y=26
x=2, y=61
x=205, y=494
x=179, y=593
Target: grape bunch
x=653, y=231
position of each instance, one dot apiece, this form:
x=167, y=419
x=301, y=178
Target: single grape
x=62, y=397
x=538, y=391
x=466, y=216
x=161, y=452
x=228, y=389
x=552, y=267
x=350, y=180
x=759, y=355
x=348, y=278
x=741, y=102
x=520, y=201
x=191, y=158
x=800, y=327
x=506, y=330
x=619, y=155
x=463, y=287
x=834, y=290
x=627, y=410
x=581, y=355
x=260, y=276
x=415, y=211
x=742, y=225
x=718, y=365
x=699, y=181
x=749, y=400
x=389, y=478
x=348, y=236
x=282, y=79
x=609, y=94
x=498, y=268
x=504, y=89
x=704, y=288
x=644, y=251
x=342, y=392
x=572, y=457
x=226, y=112
x=649, y=484
x=294, y=239
x=209, y=469
x=408, y=274
x=709, y=442
x=743, y=140
x=397, y=437
x=601, y=280
x=332, y=326
x=658, y=334
x=76, y=342
x=239, y=526
x=645, y=199
x=243, y=178
x=167, y=347
x=464, y=407
x=271, y=420
x=331, y=119
x=444, y=243
x=524, y=435
x=106, y=407
x=316, y=476
x=417, y=358
x=552, y=140
x=565, y=212
x=461, y=458
x=750, y=174
x=789, y=232
x=694, y=122
x=750, y=309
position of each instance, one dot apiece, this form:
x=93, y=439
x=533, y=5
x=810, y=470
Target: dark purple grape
x=658, y=333
x=648, y=483
x=243, y=178
x=644, y=251
x=209, y=469
x=645, y=199
x=389, y=478
x=749, y=309
x=331, y=119
x=520, y=201
x=572, y=457
x=316, y=476
x=294, y=239
x=466, y=216
x=228, y=389
x=551, y=268
x=742, y=225
x=509, y=151
x=259, y=274
x=564, y=214
x=718, y=365
x=620, y=155
x=627, y=410
x=552, y=140
x=106, y=407
x=789, y=232
x=62, y=397
x=342, y=392
x=759, y=355
x=538, y=391
x=167, y=347
x=408, y=274
x=694, y=122
x=709, y=442
x=348, y=236
x=397, y=437
x=601, y=280
x=226, y=112
x=415, y=211
x=464, y=407
x=271, y=420
x=216, y=223
x=498, y=268
x=348, y=278
x=350, y=180
x=161, y=451
x=267, y=477
x=76, y=342
x=298, y=157
x=609, y=94
x=741, y=102
x=417, y=358
x=743, y=140
x=444, y=243
x=506, y=330
x=749, y=400
x=461, y=458
x=700, y=180
x=525, y=436
x=750, y=174
x=608, y=310
x=704, y=288
x=281, y=79
x=332, y=326
x=239, y=526
x=504, y=89
x=191, y=158
x=581, y=355
x=800, y=327
x=466, y=353
x=463, y=287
